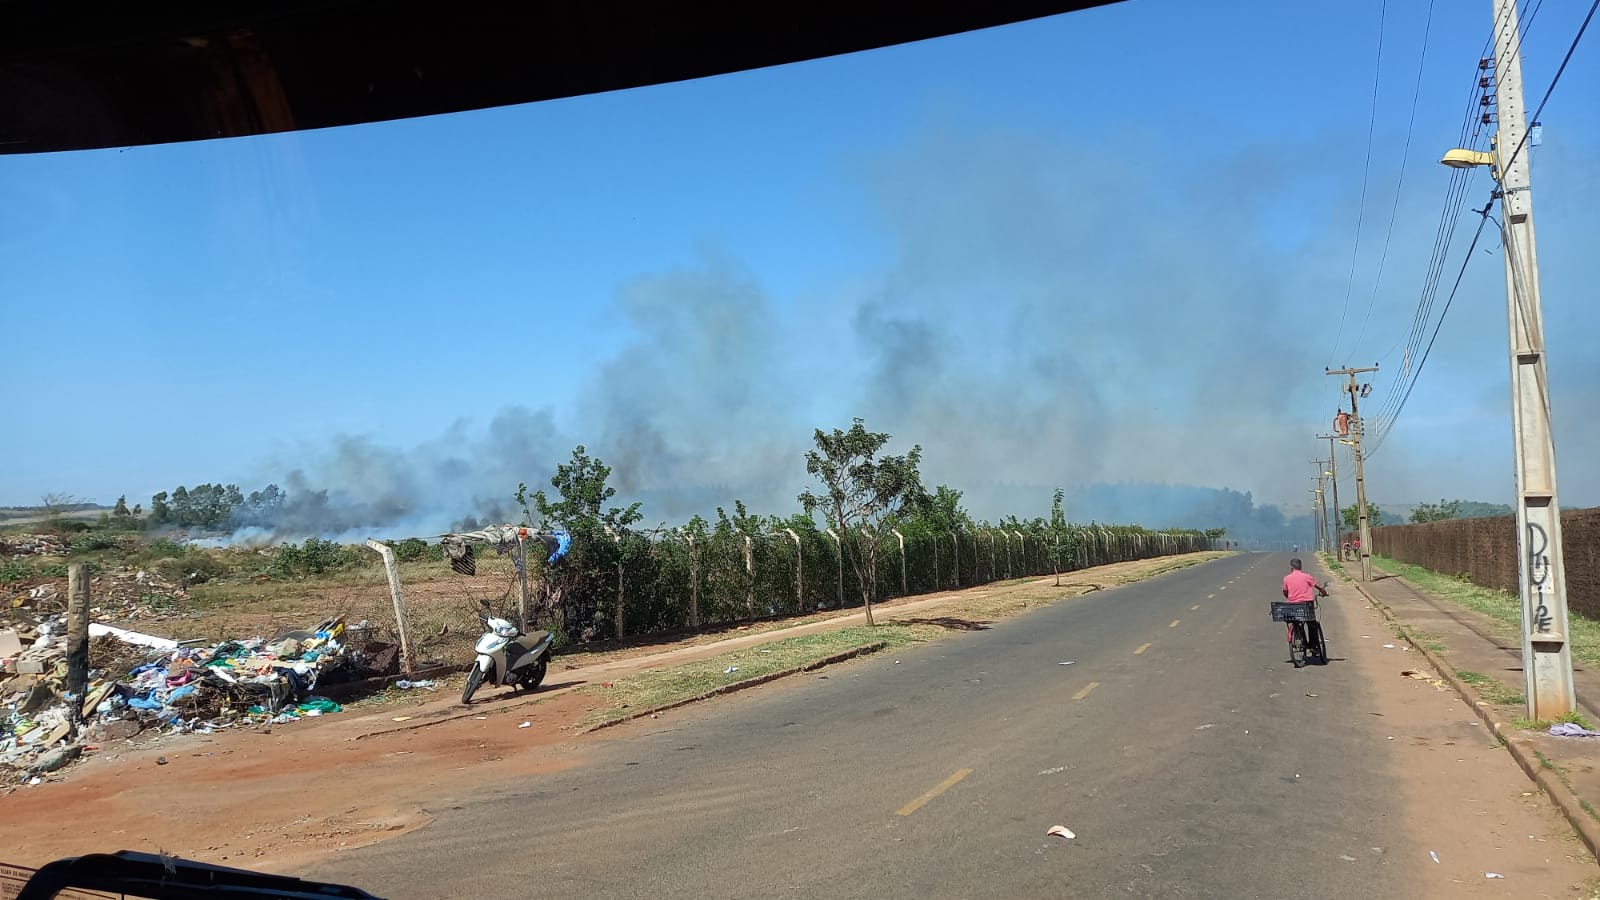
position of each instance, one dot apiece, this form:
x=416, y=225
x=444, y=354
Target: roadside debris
x=1388, y=646
x=1062, y=831
x=426, y=683
x=526, y=725
x=1493, y=875
x=1569, y=729
x=141, y=682
x=730, y=670
x=1434, y=855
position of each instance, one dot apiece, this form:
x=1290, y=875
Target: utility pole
x=1356, y=391
x=1333, y=475
x=1328, y=534
x=1541, y=571
x=1316, y=514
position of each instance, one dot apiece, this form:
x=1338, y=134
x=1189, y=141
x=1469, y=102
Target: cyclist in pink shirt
x=1300, y=587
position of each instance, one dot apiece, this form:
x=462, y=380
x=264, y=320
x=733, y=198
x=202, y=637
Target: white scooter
x=506, y=656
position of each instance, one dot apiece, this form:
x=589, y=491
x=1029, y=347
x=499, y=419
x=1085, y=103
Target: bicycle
x=1305, y=632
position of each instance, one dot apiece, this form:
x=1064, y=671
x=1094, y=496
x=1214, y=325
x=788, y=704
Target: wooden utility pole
x=1356, y=390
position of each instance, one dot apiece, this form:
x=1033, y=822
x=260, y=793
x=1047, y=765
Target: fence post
x=522, y=576
x=799, y=572
x=839, y=547
x=617, y=539
x=904, y=591
x=694, y=580
x=955, y=572
x=77, y=642
x=936, y=562
x=750, y=577
x=392, y=569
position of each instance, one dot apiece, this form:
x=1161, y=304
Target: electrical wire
x=1366, y=169
x=1399, y=187
x=1553, y=82
x=1466, y=260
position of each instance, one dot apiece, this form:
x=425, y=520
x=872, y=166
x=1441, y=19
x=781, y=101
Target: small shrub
x=191, y=568
x=314, y=557
x=54, y=570
x=14, y=570
x=89, y=543
x=410, y=549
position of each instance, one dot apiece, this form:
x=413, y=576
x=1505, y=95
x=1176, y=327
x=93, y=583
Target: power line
x=1366, y=168
x=1551, y=89
x=1405, y=155
x=1389, y=424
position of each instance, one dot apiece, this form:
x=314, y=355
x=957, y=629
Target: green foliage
x=864, y=495
x=15, y=570
x=191, y=568
x=203, y=506
x=54, y=570
x=1437, y=512
x=316, y=556
x=93, y=541
x=410, y=549
x=1351, y=516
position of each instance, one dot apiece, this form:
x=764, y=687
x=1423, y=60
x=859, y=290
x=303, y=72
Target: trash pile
x=128, y=596
x=140, y=682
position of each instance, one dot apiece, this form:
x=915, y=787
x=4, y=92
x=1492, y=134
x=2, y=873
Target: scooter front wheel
x=474, y=678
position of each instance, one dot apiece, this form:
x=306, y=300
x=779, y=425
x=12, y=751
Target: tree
x=55, y=503
x=1437, y=512
x=1352, y=518
x=160, y=510
x=862, y=491
x=121, y=509
x=577, y=585
x=942, y=509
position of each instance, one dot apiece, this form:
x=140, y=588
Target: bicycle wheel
x=1322, y=644
x=1297, y=644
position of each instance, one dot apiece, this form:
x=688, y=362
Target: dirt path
x=274, y=798
x=1463, y=795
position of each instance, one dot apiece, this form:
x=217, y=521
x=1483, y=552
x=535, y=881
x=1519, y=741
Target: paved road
x=1179, y=746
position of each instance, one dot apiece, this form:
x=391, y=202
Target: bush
x=191, y=568
x=317, y=556
x=14, y=570
x=54, y=570
x=93, y=541
x=410, y=549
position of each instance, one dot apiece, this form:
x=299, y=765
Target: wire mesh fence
x=612, y=586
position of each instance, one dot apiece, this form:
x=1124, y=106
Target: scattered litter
x=1055, y=771
x=1067, y=663
x=1388, y=646
x=1347, y=858
x=763, y=651
x=897, y=662
x=526, y=725
x=1569, y=729
x=402, y=718
x=1413, y=673
x=730, y=670
x=427, y=683
x=1308, y=694
x=1493, y=875
x=1061, y=830
x=1205, y=726
x=161, y=760
x=1434, y=855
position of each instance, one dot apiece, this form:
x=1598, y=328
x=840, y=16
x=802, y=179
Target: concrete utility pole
x=1541, y=571
x=1363, y=534
x=1317, y=517
x=1333, y=476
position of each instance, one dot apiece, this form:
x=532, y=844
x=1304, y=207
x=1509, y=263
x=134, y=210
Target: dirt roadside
x=1494, y=832
x=274, y=798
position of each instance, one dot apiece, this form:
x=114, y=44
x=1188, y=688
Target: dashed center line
x=1173, y=623
x=935, y=791
x=1142, y=648
x=1086, y=690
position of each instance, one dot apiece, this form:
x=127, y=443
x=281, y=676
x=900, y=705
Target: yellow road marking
x=1194, y=607
x=937, y=789
x=1174, y=623
x=1142, y=648
x=1085, y=692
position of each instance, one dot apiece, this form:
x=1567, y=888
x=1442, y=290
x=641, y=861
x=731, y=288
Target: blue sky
x=1107, y=246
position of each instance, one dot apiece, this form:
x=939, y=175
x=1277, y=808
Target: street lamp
x=1466, y=159
x=1541, y=571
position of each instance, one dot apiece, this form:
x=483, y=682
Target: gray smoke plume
x=1036, y=327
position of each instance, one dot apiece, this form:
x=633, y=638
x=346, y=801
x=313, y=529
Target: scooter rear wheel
x=474, y=678
x=535, y=675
